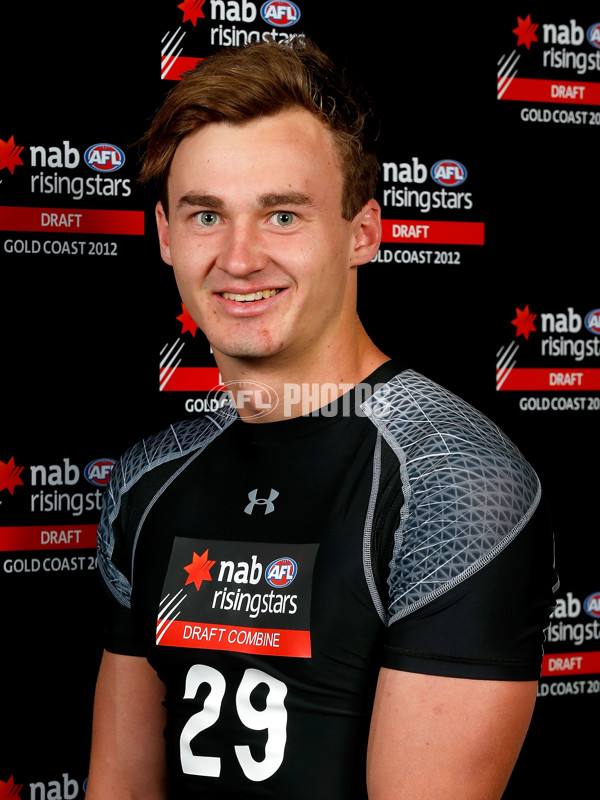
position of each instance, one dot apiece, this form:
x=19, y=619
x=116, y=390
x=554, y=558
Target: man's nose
x=242, y=252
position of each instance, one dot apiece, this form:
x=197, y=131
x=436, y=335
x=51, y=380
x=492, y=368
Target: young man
x=330, y=602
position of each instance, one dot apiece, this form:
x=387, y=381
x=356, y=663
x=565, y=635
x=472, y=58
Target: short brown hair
x=236, y=85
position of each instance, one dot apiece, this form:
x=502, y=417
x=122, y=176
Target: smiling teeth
x=248, y=298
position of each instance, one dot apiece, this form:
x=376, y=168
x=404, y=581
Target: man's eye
x=207, y=218
x=283, y=218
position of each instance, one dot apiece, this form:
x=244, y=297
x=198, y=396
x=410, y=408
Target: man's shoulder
x=178, y=441
x=135, y=480
x=467, y=489
x=418, y=416
x=407, y=394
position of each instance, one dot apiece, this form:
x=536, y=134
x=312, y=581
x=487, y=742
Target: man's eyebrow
x=203, y=200
x=284, y=199
x=269, y=200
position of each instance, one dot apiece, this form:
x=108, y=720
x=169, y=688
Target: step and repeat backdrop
x=487, y=281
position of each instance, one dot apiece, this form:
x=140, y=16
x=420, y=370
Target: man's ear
x=367, y=233
x=162, y=225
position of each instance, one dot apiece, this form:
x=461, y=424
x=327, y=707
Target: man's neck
x=276, y=388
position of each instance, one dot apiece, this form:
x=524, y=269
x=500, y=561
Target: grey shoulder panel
x=468, y=491
x=188, y=437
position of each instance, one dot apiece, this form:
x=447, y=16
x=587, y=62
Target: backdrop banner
x=485, y=281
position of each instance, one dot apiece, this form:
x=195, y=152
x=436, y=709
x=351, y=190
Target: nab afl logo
x=98, y=472
x=104, y=157
x=280, y=13
x=448, y=173
x=593, y=35
x=281, y=572
x=592, y=321
x=591, y=605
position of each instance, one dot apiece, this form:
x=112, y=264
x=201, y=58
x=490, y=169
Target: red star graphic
x=524, y=322
x=199, y=569
x=10, y=155
x=10, y=790
x=192, y=10
x=187, y=323
x=525, y=31
x=10, y=476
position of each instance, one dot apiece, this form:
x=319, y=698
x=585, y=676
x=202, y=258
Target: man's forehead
x=284, y=159
x=294, y=126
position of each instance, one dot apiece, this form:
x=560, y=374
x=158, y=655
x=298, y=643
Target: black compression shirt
x=268, y=571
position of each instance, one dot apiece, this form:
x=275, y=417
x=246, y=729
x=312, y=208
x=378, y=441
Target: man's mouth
x=251, y=297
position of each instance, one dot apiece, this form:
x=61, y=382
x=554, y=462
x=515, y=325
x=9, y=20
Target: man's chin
x=245, y=351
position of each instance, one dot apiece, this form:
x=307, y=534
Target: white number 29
x=272, y=718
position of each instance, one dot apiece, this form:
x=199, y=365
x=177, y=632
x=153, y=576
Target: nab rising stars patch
x=238, y=596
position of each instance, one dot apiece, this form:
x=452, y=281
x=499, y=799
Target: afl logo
x=593, y=35
x=592, y=321
x=252, y=396
x=280, y=13
x=281, y=572
x=104, y=157
x=448, y=172
x=591, y=605
x=98, y=472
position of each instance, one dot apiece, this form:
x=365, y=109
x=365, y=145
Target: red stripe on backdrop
x=71, y=220
x=546, y=91
x=555, y=664
x=432, y=232
x=172, y=69
x=48, y=537
x=190, y=379
x=543, y=379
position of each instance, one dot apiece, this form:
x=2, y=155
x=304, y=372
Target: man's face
x=262, y=257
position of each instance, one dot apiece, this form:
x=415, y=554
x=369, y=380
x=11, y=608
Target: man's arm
x=435, y=738
x=128, y=748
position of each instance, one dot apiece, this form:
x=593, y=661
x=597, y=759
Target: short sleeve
x=489, y=626
x=471, y=575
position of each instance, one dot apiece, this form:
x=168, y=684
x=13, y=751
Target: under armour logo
x=267, y=502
